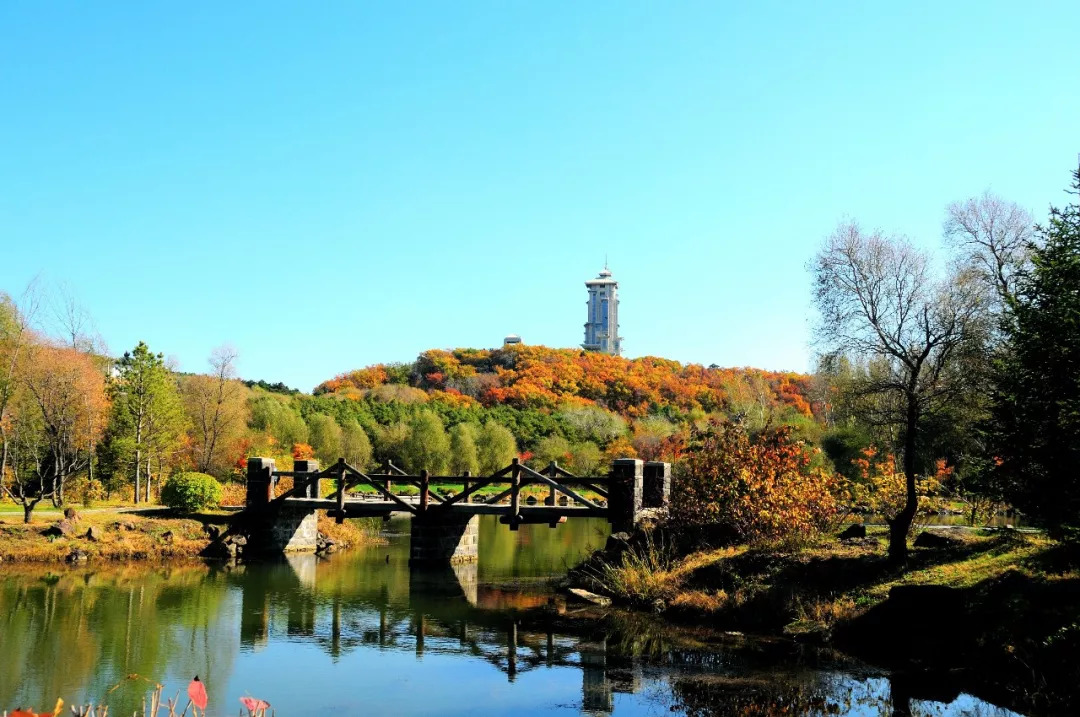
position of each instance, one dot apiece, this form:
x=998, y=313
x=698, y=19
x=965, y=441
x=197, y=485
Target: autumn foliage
x=526, y=376
x=768, y=487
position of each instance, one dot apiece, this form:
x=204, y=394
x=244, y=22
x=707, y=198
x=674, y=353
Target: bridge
x=281, y=518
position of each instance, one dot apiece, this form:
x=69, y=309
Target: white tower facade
x=602, y=326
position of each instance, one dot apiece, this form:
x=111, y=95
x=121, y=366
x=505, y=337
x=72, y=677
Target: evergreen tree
x=1037, y=398
x=148, y=411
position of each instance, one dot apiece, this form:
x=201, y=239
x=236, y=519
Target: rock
x=856, y=530
x=937, y=540
x=93, y=533
x=586, y=596
x=617, y=542
x=124, y=525
x=71, y=514
x=77, y=556
x=220, y=550
x=238, y=540
x=62, y=529
x=167, y=536
x=212, y=531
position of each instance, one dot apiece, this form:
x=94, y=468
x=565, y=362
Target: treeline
x=79, y=425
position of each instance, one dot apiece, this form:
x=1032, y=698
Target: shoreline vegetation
x=137, y=535
x=995, y=608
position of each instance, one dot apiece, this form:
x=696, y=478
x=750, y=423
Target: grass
x=1004, y=604
x=153, y=534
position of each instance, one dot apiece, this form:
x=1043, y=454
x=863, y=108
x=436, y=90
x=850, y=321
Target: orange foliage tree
x=769, y=487
x=542, y=378
x=59, y=417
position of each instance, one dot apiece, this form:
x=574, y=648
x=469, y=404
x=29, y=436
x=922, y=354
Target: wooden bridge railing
x=307, y=477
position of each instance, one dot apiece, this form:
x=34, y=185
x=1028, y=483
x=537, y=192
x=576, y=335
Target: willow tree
x=880, y=302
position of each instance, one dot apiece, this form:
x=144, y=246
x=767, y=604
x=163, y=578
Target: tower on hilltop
x=602, y=325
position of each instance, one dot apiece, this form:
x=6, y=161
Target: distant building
x=511, y=339
x=602, y=326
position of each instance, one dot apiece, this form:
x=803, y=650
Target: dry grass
x=350, y=534
x=150, y=538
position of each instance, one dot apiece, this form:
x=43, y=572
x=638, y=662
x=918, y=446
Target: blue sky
x=329, y=185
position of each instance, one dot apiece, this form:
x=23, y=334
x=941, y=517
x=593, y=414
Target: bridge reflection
x=441, y=611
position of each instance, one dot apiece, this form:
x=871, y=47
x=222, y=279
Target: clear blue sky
x=328, y=185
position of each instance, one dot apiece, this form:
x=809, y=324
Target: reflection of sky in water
x=359, y=634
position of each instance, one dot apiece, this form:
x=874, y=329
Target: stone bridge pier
x=277, y=529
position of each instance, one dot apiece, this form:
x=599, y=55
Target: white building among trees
x=602, y=326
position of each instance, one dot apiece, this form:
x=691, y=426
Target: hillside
x=543, y=378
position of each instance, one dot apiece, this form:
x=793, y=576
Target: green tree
x=593, y=423
x=148, y=405
x=325, y=436
x=552, y=448
x=390, y=442
x=586, y=459
x=428, y=445
x=217, y=410
x=495, y=446
x=274, y=415
x=463, y=452
x=1036, y=411
x=356, y=446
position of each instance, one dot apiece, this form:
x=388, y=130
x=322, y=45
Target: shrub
x=187, y=492
x=768, y=487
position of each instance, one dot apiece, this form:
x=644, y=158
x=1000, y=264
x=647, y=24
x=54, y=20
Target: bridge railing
x=630, y=488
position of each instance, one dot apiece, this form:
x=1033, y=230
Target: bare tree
x=880, y=302
x=74, y=324
x=993, y=236
x=215, y=404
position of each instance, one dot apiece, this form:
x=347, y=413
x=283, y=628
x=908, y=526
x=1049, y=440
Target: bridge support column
x=625, y=494
x=275, y=530
x=444, y=540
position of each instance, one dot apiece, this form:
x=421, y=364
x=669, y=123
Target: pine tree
x=1037, y=397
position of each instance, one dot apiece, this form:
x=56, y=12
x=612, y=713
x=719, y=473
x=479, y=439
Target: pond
x=361, y=634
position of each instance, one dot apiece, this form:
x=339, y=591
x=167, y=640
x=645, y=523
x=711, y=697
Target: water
x=359, y=634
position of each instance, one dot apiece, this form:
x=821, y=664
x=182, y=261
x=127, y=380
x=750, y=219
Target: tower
x=602, y=324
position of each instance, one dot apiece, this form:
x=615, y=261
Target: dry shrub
x=700, y=601
x=233, y=493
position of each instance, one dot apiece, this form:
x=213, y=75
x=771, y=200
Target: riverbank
x=1002, y=605
x=118, y=534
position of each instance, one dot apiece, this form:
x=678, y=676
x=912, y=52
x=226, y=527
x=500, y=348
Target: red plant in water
x=196, y=691
x=31, y=713
x=255, y=706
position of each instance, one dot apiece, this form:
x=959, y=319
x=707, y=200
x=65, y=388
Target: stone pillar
x=292, y=530
x=260, y=481
x=312, y=489
x=625, y=493
x=657, y=484
x=444, y=540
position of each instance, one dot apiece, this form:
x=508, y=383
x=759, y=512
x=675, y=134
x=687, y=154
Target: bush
x=768, y=487
x=188, y=492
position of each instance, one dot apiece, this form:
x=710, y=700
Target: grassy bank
x=121, y=535
x=1003, y=604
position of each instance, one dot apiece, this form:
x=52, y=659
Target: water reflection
x=361, y=633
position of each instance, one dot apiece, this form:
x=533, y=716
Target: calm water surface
x=359, y=634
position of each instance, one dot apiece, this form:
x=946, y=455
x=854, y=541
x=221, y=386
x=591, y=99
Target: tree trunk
x=901, y=524
x=148, y=478
x=138, y=473
x=28, y=508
